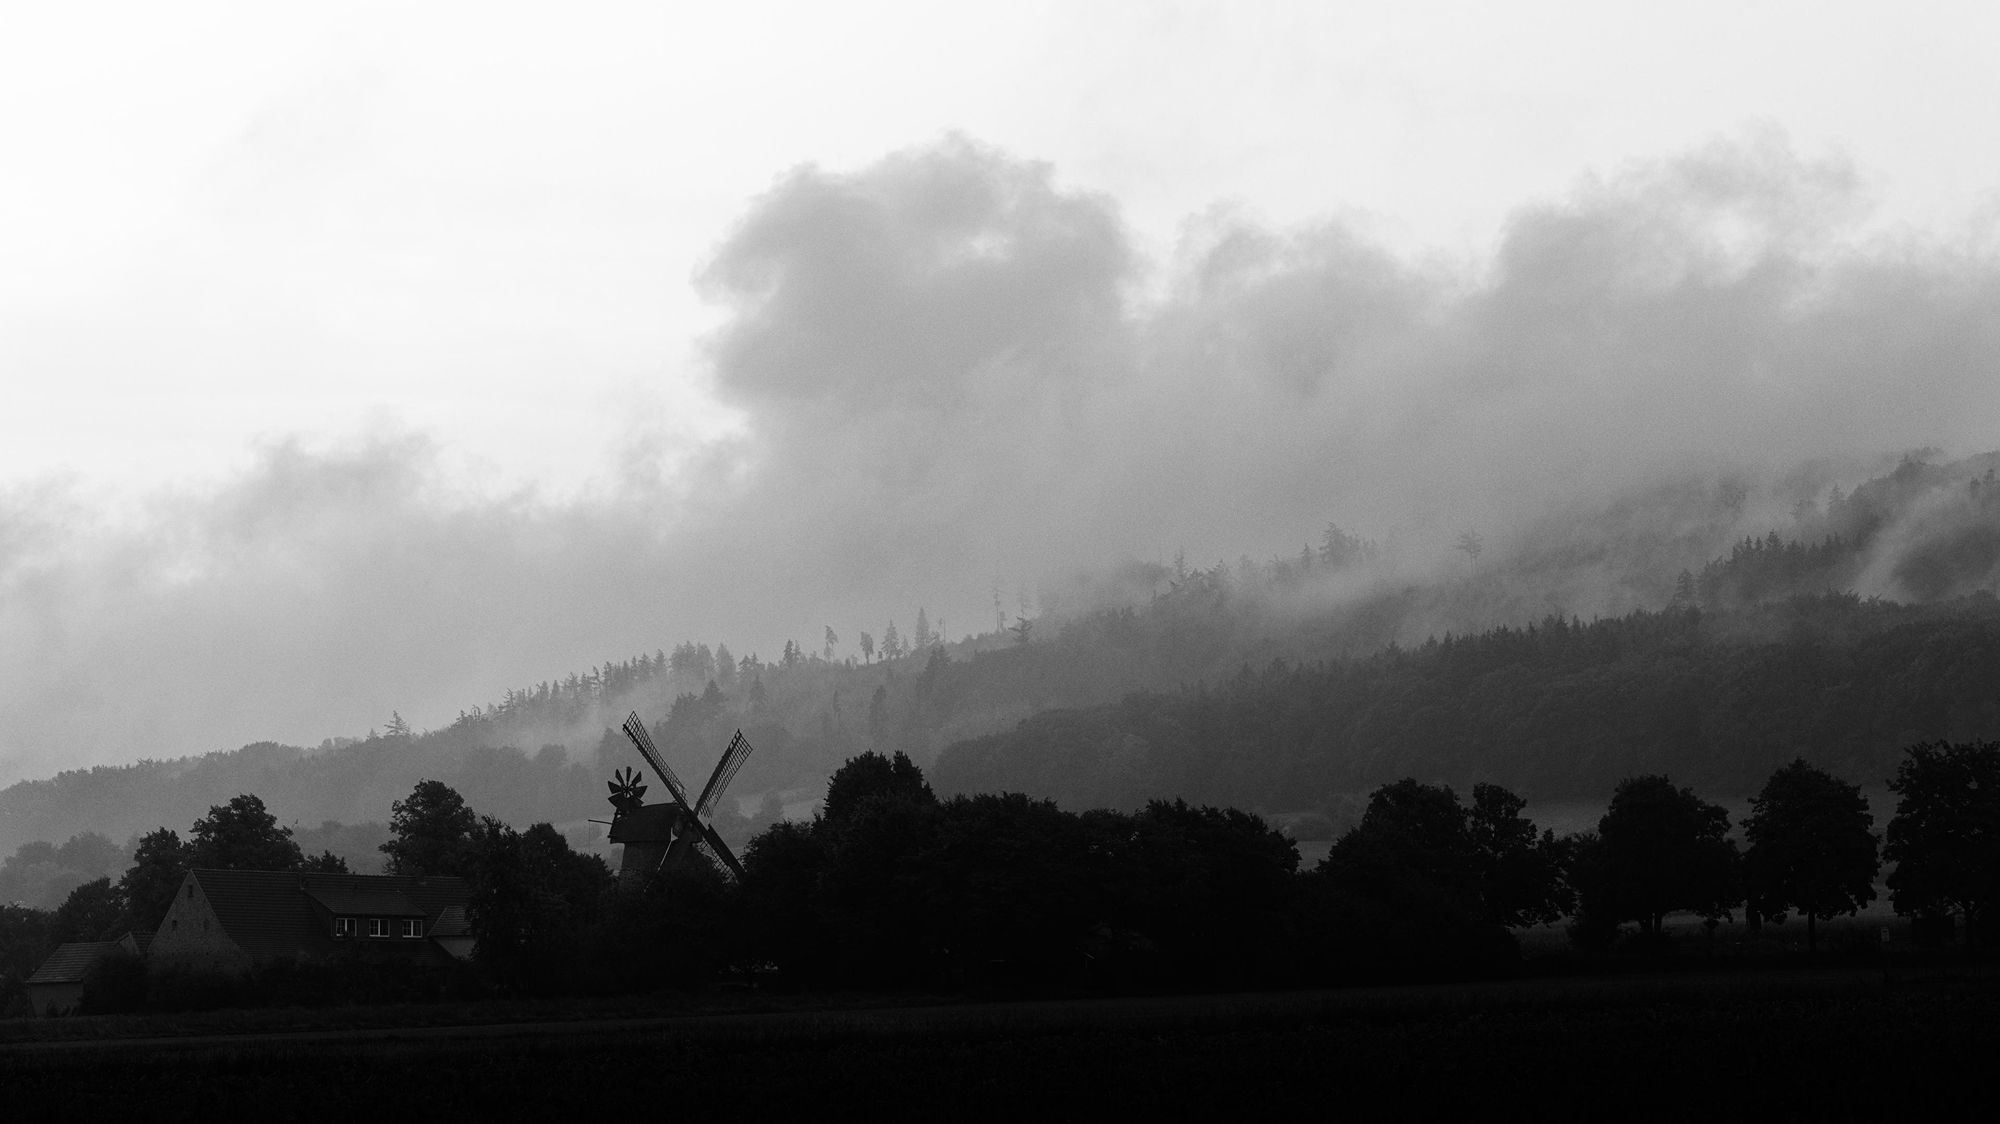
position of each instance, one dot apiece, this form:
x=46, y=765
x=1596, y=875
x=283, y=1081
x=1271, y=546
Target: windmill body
x=657, y=836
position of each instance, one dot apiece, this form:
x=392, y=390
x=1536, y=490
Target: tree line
x=891, y=886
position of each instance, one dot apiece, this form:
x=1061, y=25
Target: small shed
x=57, y=986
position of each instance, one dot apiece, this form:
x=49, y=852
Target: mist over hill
x=951, y=370
x=1674, y=629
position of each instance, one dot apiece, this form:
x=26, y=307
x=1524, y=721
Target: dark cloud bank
x=956, y=372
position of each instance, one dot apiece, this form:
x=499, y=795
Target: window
x=343, y=927
x=413, y=928
x=378, y=926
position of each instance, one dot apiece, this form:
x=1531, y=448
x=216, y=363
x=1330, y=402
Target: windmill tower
x=656, y=835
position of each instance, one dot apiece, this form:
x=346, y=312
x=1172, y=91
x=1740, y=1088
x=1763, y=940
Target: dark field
x=1785, y=1043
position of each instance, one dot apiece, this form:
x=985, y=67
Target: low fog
x=957, y=373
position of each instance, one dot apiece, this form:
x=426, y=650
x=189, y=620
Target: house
x=57, y=985
x=235, y=920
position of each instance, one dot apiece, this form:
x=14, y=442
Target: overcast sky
x=373, y=356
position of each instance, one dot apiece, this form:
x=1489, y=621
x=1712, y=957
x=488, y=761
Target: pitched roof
x=374, y=902
x=451, y=923
x=429, y=894
x=263, y=911
x=271, y=914
x=71, y=962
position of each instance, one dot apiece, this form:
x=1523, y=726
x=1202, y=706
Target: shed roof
x=71, y=962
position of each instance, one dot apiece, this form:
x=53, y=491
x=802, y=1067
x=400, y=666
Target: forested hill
x=1557, y=709
x=1347, y=689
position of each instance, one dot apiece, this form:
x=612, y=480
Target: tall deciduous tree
x=782, y=869
x=1412, y=832
x=1665, y=849
x=1945, y=836
x=1521, y=880
x=158, y=867
x=242, y=835
x=94, y=911
x=433, y=831
x=1810, y=846
x=1487, y=861
x=873, y=776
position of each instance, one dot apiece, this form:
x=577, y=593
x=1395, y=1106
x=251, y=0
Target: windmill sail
x=725, y=771
x=636, y=731
x=721, y=850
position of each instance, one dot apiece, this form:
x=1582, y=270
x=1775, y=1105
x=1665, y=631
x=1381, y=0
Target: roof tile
x=71, y=962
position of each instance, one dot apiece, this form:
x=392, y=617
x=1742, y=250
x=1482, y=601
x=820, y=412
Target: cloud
x=952, y=369
x=948, y=368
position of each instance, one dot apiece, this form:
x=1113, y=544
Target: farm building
x=234, y=920
x=57, y=985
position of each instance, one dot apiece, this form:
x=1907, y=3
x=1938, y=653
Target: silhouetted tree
x=326, y=862
x=782, y=868
x=25, y=942
x=531, y=898
x=158, y=868
x=94, y=911
x=879, y=818
x=433, y=830
x=1486, y=862
x=1945, y=836
x=1810, y=847
x=1411, y=833
x=1012, y=880
x=1665, y=849
x=242, y=835
x=871, y=776
x=1212, y=887
x=1521, y=874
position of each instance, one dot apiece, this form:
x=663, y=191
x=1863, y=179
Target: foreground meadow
x=1792, y=1042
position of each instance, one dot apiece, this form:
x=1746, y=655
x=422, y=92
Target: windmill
x=656, y=835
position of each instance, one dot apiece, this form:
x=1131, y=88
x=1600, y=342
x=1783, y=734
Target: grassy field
x=1788, y=1043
